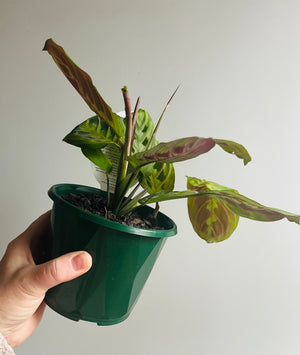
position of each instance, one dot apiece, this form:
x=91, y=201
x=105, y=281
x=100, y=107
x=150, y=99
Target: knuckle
x=52, y=271
x=49, y=275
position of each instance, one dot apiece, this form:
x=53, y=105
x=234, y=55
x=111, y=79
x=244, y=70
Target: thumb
x=64, y=268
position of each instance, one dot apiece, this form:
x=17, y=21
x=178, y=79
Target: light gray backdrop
x=238, y=64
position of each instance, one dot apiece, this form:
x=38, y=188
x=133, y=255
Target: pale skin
x=23, y=284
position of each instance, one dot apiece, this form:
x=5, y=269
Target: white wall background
x=238, y=62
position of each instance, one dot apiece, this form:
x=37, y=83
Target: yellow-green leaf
x=234, y=148
x=211, y=219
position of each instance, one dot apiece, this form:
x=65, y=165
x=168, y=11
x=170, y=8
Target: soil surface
x=96, y=204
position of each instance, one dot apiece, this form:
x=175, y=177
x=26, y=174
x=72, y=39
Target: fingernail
x=79, y=262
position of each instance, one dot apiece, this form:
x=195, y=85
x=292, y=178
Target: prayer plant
x=145, y=172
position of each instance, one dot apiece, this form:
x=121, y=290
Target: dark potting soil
x=96, y=204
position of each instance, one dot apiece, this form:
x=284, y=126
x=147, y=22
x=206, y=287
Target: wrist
x=6, y=335
x=5, y=329
x=5, y=348
x=10, y=334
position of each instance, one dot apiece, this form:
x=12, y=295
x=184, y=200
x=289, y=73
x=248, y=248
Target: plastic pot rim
x=58, y=190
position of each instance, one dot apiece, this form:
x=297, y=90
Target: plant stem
x=134, y=118
x=129, y=206
x=98, y=124
x=126, y=151
x=108, y=193
x=128, y=136
x=121, y=194
x=131, y=195
x=155, y=213
x=123, y=164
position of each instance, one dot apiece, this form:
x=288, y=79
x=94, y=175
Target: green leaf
x=234, y=148
x=241, y=205
x=174, y=151
x=161, y=177
x=82, y=82
x=215, y=212
x=201, y=185
x=211, y=218
x=157, y=176
x=98, y=158
x=143, y=132
x=92, y=134
x=251, y=209
x=237, y=203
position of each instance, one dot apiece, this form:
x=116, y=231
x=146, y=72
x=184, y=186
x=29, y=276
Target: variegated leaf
x=211, y=218
x=239, y=204
x=82, y=82
x=97, y=157
x=161, y=177
x=251, y=209
x=92, y=134
x=216, y=209
x=174, y=151
x=143, y=132
x=234, y=148
x=157, y=176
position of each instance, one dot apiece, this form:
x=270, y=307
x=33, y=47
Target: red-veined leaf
x=239, y=204
x=211, y=218
x=251, y=209
x=174, y=151
x=82, y=82
x=216, y=209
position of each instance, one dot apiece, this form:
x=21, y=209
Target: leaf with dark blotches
x=161, y=177
x=156, y=176
x=91, y=134
x=144, y=128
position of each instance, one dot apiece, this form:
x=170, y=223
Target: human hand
x=23, y=284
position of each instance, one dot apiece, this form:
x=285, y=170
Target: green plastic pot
x=123, y=258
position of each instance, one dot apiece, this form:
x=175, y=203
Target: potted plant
x=138, y=170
